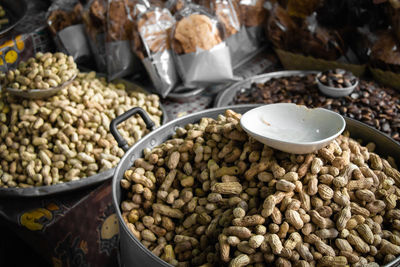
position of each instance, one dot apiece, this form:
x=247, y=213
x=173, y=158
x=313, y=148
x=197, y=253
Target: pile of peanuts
x=66, y=137
x=43, y=71
x=213, y=196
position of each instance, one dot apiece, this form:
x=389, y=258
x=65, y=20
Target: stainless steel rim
x=47, y=190
x=225, y=97
x=148, y=141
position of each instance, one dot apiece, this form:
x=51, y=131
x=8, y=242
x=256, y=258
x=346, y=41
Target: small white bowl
x=334, y=91
x=293, y=128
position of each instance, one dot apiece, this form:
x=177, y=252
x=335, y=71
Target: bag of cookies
x=65, y=23
x=201, y=54
x=151, y=44
x=237, y=39
x=94, y=16
x=120, y=59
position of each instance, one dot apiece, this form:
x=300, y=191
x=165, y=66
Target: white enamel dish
x=293, y=128
x=334, y=91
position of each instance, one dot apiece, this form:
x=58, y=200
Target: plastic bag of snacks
x=202, y=56
x=94, y=16
x=175, y=5
x=65, y=23
x=307, y=37
x=321, y=42
x=151, y=44
x=120, y=59
x=237, y=37
x=282, y=30
x=252, y=16
x=385, y=54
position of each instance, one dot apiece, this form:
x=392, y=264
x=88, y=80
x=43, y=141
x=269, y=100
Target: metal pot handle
x=114, y=123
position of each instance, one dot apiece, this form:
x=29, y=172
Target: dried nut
x=227, y=188
x=67, y=136
x=210, y=191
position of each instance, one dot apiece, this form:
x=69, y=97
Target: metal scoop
x=39, y=93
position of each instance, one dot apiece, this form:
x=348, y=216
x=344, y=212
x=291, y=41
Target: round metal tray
x=40, y=191
x=226, y=97
x=133, y=252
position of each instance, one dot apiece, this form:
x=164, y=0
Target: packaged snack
x=302, y=8
x=252, y=12
x=120, y=59
x=65, y=23
x=320, y=42
x=227, y=11
x=282, y=30
x=202, y=56
x=151, y=44
x=94, y=16
x=385, y=53
x=252, y=18
x=175, y=5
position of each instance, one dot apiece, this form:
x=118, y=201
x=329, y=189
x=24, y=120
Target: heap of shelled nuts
x=212, y=195
x=66, y=137
x=43, y=71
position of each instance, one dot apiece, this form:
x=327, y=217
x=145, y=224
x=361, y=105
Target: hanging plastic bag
x=282, y=30
x=94, y=16
x=302, y=8
x=151, y=44
x=237, y=38
x=120, y=59
x=385, y=53
x=252, y=19
x=65, y=23
x=202, y=56
x=320, y=42
x=175, y=5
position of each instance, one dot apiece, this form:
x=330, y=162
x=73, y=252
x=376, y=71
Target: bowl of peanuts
x=199, y=191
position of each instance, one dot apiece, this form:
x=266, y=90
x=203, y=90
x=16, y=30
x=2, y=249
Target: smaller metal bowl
x=39, y=93
x=185, y=95
x=334, y=91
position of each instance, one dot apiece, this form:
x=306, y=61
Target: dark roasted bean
x=369, y=103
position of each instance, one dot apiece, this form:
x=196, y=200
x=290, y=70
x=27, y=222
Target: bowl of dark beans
x=336, y=83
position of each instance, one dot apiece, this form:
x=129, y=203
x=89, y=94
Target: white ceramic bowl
x=334, y=91
x=293, y=128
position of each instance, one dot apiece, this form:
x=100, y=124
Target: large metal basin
x=132, y=252
x=41, y=191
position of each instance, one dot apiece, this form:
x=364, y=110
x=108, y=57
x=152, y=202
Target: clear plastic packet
x=385, y=53
x=360, y=41
x=120, y=59
x=320, y=42
x=151, y=44
x=252, y=12
x=201, y=54
x=302, y=8
x=175, y=5
x=282, y=30
x=65, y=23
x=94, y=16
x=251, y=37
x=393, y=11
x=239, y=40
